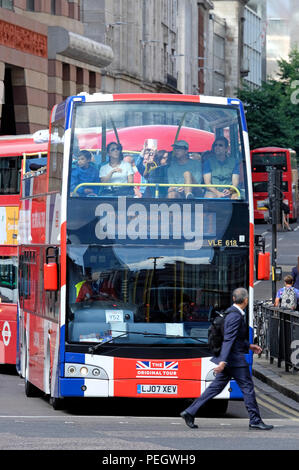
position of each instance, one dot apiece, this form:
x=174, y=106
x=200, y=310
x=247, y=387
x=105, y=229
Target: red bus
x=158, y=267
x=13, y=149
x=281, y=158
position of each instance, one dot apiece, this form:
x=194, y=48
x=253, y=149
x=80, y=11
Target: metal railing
x=277, y=332
x=159, y=185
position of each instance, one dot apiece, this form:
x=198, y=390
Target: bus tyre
x=57, y=403
x=219, y=407
x=214, y=408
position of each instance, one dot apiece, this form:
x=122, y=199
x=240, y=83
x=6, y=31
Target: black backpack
x=216, y=332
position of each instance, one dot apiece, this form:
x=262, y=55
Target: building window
x=53, y=7
x=6, y=4
x=30, y=5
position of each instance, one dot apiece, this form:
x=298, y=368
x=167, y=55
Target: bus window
x=10, y=175
x=284, y=159
x=8, y=279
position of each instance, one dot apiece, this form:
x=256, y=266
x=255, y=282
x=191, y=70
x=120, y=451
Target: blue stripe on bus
x=242, y=113
x=62, y=350
x=71, y=387
x=235, y=393
x=69, y=109
x=77, y=358
x=251, y=332
x=60, y=111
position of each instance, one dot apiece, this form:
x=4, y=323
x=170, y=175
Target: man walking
x=232, y=363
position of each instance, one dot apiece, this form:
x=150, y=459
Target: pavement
x=276, y=377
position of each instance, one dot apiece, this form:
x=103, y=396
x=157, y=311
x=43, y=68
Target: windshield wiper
x=92, y=349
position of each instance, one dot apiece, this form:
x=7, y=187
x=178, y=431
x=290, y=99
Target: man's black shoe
x=189, y=419
x=261, y=426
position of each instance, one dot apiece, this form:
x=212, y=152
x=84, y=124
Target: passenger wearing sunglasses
x=220, y=168
x=116, y=171
x=183, y=170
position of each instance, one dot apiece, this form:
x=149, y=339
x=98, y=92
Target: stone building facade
x=143, y=36
x=44, y=57
x=50, y=49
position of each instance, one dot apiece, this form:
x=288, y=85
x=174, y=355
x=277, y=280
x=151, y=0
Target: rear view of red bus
x=12, y=151
x=281, y=158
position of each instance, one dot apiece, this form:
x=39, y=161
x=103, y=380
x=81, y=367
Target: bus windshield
x=146, y=135
x=148, y=267
x=119, y=292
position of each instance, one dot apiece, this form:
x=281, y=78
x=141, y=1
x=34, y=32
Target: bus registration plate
x=158, y=389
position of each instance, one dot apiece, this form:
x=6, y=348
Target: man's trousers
x=243, y=378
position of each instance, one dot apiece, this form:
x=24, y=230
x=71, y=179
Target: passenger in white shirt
x=116, y=171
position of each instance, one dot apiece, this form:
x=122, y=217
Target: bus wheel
x=215, y=408
x=56, y=403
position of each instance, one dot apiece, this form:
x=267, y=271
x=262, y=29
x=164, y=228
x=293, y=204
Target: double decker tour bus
x=13, y=149
x=117, y=292
x=285, y=160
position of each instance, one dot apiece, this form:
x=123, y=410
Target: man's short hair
x=288, y=279
x=239, y=295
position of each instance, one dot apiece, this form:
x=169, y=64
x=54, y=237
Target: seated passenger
x=183, y=170
x=146, y=163
x=157, y=175
x=84, y=172
x=83, y=288
x=116, y=171
x=37, y=163
x=95, y=287
x=162, y=157
x=220, y=168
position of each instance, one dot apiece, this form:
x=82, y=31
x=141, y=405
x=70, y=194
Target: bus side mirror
x=263, y=266
x=51, y=269
x=50, y=276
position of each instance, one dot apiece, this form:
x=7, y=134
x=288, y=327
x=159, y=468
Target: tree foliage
x=272, y=111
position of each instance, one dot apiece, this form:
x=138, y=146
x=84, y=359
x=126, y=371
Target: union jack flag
x=158, y=365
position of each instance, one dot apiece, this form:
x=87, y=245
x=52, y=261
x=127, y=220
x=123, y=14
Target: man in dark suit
x=232, y=363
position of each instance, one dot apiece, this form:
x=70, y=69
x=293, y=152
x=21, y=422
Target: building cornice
x=77, y=47
x=207, y=4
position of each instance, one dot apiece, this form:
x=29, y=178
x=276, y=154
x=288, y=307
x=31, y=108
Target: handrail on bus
x=158, y=185
x=25, y=155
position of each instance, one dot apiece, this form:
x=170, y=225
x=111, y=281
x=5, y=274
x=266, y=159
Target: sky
x=279, y=8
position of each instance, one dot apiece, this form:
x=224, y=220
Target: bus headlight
x=71, y=370
x=85, y=370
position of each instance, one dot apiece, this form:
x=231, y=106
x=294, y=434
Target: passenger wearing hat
x=183, y=170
